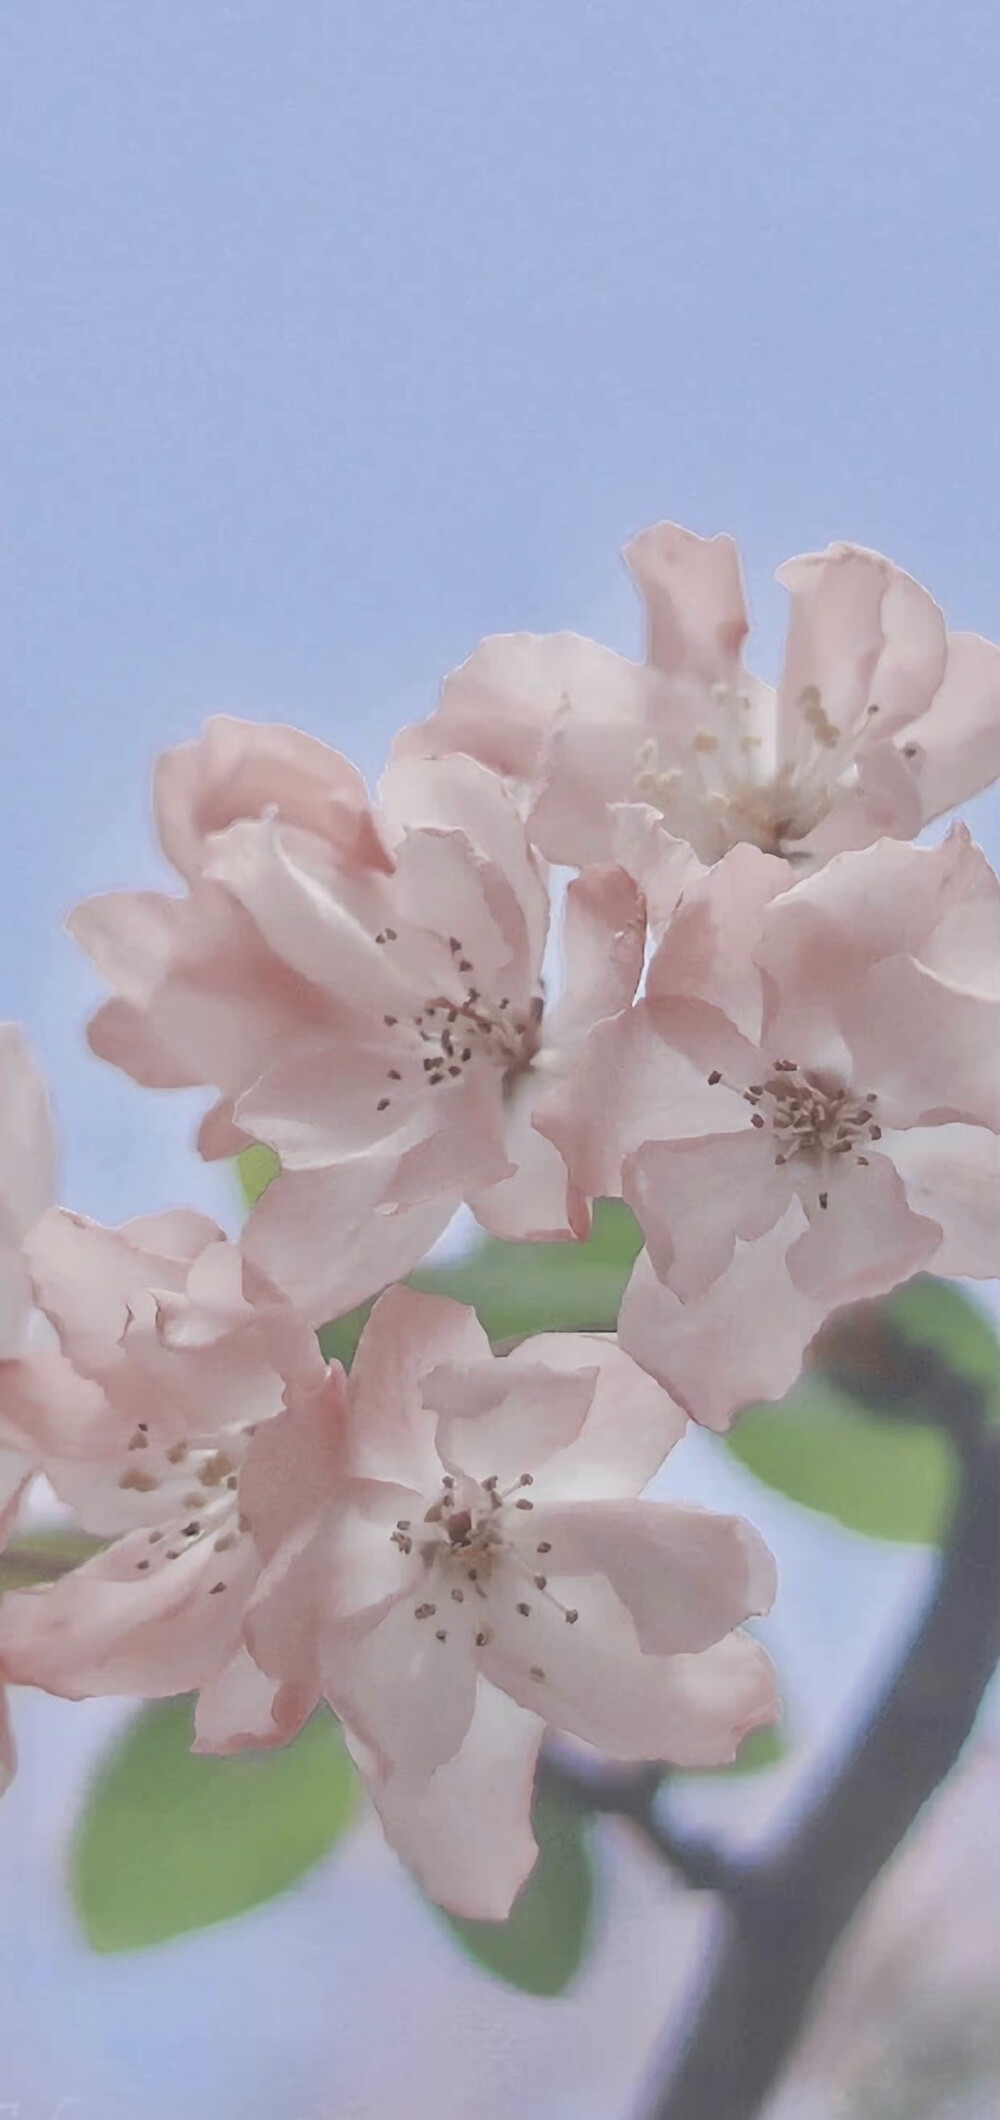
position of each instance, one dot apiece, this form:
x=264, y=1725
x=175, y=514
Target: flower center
x=724, y=777
x=809, y=1115
x=462, y=1540
x=447, y=1037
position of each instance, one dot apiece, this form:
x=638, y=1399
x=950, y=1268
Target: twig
x=632, y=1796
x=778, y=1935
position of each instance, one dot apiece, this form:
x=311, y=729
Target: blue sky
x=338, y=336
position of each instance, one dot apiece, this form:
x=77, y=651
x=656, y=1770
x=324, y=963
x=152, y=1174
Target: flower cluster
x=757, y=1012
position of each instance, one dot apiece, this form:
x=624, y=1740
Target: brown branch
x=631, y=1794
x=779, y=1930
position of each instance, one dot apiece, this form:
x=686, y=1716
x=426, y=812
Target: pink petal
x=694, y=1199
x=691, y=1710
x=106, y=1629
x=88, y=1279
x=242, y=1708
x=537, y=1201
x=465, y=1830
x=707, y=950
x=407, y=1338
x=460, y=795
x=929, y=1049
x=409, y=1696
x=240, y=769
x=630, y=1427
x=743, y=1340
x=27, y=1138
x=501, y=1420
x=498, y=706
x=696, y=607
x=295, y=1463
x=866, y=1240
x=952, y=1175
x=861, y=632
x=663, y=866
x=639, y=1073
x=685, y=1576
x=957, y=743
x=324, y=1237
x=603, y=939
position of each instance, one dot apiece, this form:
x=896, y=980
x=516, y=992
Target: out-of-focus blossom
x=480, y=1567
x=881, y=719
x=27, y=1182
x=142, y=1427
x=367, y=995
x=905, y=2025
x=803, y=1110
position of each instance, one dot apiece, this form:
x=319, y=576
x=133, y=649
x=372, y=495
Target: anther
x=755, y=1119
x=524, y=1610
x=714, y=1077
x=215, y=1589
x=541, y=1582
x=383, y=1104
x=524, y=1505
x=457, y=1597
x=544, y=1546
x=571, y=1616
x=424, y=1611
x=824, y=1199
x=440, y=1634
x=536, y=1671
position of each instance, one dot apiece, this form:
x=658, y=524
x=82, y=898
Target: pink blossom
x=485, y=1569
x=381, y=1022
x=27, y=1180
x=881, y=719
x=804, y=1109
x=142, y=1427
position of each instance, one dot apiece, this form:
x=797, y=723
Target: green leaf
x=543, y=1942
x=766, y=1747
x=524, y=1288
x=169, y=1842
x=42, y=1556
x=256, y=1166
x=938, y=1315
x=889, y=1479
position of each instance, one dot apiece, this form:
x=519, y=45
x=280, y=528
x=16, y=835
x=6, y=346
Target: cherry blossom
x=480, y=1566
x=27, y=1180
x=167, y=1371
x=881, y=719
x=380, y=1018
x=804, y=1108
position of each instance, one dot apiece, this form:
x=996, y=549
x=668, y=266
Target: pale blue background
x=333, y=337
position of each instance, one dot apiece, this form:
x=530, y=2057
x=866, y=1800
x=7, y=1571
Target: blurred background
x=335, y=337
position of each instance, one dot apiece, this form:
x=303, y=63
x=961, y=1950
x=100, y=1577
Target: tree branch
x=632, y=1795
x=780, y=1929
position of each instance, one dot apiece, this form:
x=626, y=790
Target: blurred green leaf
x=937, y=1315
x=42, y=1556
x=851, y=1441
x=169, y=1842
x=524, y=1288
x=818, y=1446
x=256, y=1166
x=766, y=1747
x=543, y=1942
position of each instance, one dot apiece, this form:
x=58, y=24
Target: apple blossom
x=167, y=1370
x=881, y=720
x=479, y=1566
x=378, y=1017
x=804, y=1108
